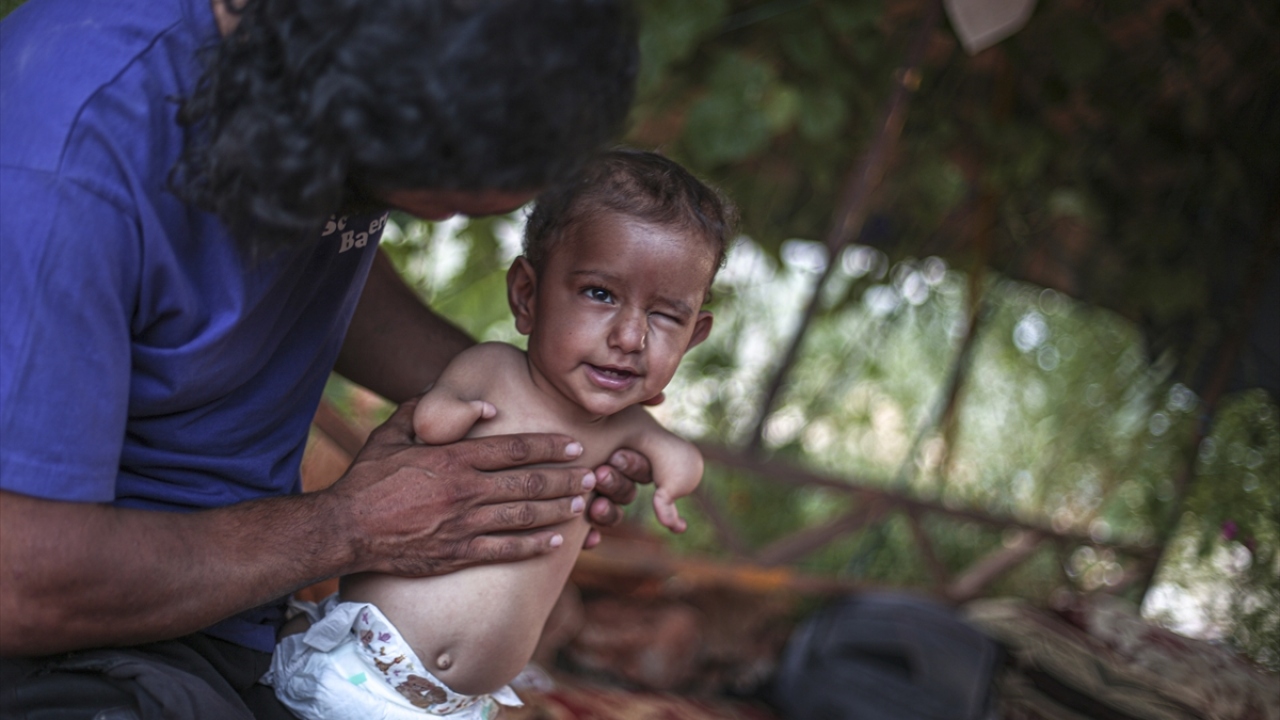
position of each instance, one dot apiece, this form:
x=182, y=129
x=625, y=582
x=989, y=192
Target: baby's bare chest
x=523, y=409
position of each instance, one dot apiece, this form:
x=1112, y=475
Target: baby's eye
x=599, y=294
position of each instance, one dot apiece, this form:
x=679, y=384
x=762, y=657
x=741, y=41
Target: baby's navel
x=444, y=662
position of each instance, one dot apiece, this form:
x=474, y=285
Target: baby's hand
x=664, y=506
x=442, y=420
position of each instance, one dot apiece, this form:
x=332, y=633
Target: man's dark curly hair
x=314, y=106
x=638, y=184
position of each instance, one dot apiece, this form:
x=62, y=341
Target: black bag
x=886, y=657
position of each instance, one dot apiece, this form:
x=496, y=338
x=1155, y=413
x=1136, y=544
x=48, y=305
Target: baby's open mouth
x=611, y=378
x=614, y=372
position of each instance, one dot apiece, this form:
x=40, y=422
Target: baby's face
x=616, y=307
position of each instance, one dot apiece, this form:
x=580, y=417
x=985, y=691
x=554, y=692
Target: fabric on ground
x=1101, y=661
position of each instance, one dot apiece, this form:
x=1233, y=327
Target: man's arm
x=85, y=574
x=75, y=575
x=396, y=346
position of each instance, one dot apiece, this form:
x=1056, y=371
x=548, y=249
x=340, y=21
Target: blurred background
x=1025, y=296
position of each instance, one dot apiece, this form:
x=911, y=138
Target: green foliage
x=730, y=122
x=1239, y=472
x=460, y=268
x=672, y=31
x=1140, y=148
x=1235, y=506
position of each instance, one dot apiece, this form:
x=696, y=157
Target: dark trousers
x=196, y=677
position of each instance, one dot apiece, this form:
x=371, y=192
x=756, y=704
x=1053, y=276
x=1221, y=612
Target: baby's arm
x=454, y=404
x=677, y=467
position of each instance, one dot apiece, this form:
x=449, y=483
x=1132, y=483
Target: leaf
x=850, y=18
x=1080, y=50
x=781, y=107
x=823, y=114
x=808, y=49
x=671, y=31
x=730, y=122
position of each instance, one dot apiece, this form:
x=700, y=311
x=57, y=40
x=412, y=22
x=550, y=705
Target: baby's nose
x=630, y=333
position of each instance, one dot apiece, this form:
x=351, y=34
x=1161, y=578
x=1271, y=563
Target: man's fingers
x=604, y=513
x=399, y=427
x=491, y=499
x=511, y=548
x=498, y=452
x=633, y=465
x=536, y=484
x=522, y=516
x=614, y=485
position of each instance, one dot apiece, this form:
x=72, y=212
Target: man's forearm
x=114, y=576
x=395, y=345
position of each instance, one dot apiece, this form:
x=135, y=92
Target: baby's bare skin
x=476, y=629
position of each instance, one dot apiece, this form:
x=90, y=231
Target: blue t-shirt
x=145, y=360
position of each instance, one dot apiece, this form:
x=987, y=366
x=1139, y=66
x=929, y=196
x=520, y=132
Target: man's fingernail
x=557, y=540
x=577, y=505
x=588, y=481
x=573, y=449
x=618, y=460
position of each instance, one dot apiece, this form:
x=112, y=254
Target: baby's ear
x=522, y=291
x=701, y=329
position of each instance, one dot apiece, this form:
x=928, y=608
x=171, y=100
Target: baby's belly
x=477, y=628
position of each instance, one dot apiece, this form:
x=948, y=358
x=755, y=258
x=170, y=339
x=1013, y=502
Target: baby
x=617, y=265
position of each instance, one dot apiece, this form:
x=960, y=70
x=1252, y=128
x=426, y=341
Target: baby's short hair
x=642, y=185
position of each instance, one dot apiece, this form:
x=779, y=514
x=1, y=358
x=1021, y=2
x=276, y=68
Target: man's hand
x=412, y=509
x=616, y=486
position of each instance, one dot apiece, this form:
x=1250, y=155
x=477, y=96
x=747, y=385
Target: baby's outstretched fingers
x=665, y=508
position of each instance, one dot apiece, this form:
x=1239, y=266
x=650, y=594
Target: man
x=192, y=197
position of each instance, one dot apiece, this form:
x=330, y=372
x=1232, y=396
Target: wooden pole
x=855, y=203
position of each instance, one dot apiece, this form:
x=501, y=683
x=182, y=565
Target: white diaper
x=352, y=664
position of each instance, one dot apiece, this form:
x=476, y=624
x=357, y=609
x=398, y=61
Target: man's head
x=310, y=106
x=618, y=264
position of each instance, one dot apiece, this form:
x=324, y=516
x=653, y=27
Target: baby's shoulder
x=489, y=357
x=479, y=366
x=494, y=351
